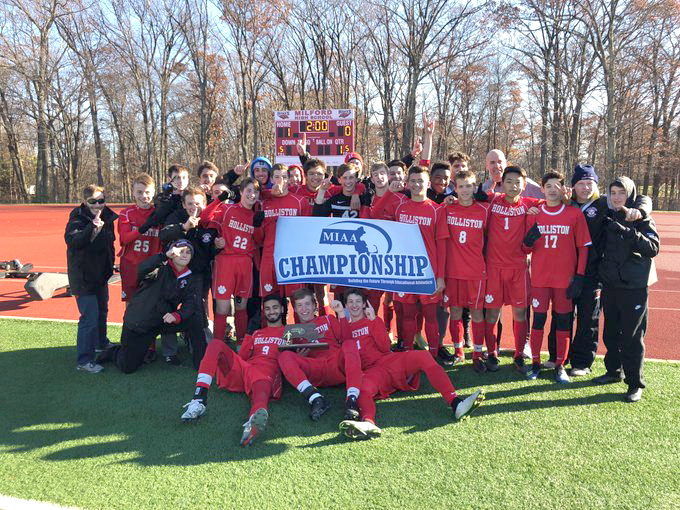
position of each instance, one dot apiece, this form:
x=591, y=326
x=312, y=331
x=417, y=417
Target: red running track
x=34, y=233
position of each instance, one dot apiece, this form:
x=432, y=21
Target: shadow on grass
x=66, y=415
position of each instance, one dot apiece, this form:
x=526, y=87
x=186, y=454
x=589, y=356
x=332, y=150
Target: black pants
x=625, y=323
x=584, y=341
x=129, y=356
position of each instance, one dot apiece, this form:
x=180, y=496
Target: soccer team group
x=481, y=238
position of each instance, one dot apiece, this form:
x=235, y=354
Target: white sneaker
x=360, y=429
x=254, y=426
x=90, y=367
x=194, y=410
x=463, y=407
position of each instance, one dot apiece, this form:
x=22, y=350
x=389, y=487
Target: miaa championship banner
x=373, y=254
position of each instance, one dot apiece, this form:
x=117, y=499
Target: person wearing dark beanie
x=587, y=303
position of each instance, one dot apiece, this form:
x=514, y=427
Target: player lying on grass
x=386, y=372
x=253, y=371
x=306, y=370
x=167, y=301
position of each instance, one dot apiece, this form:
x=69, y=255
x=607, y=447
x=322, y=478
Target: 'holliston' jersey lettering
x=467, y=228
x=554, y=255
x=506, y=231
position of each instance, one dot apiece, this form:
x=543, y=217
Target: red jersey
x=385, y=207
x=136, y=247
x=329, y=330
x=431, y=218
x=235, y=224
x=262, y=347
x=506, y=232
x=554, y=256
x=273, y=207
x=467, y=228
x=370, y=338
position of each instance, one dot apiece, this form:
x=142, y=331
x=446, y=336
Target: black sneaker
x=444, y=357
x=458, y=360
x=519, y=365
x=492, y=364
x=149, y=357
x=399, y=346
x=351, y=408
x=633, y=394
x=478, y=365
x=318, y=407
x=172, y=360
x=609, y=378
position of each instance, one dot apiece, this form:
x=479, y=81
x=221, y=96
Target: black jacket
x=165, y=204
x=202, y=238
x=89, y=261
x=161, y=291
x=627, y=257
x=596, y=212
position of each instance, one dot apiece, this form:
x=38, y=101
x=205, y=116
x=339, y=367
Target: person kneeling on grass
x=627, y=271
x=386, y=372
x=254, y=371
x=168, y=301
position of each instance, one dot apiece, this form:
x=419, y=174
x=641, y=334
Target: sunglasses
x=93, y=201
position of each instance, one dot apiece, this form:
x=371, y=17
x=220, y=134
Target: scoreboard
x=330, y=135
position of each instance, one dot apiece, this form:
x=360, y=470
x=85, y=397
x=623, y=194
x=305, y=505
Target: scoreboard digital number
x=329, y=133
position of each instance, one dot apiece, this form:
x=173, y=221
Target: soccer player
x=253, y=371
x=233, y=267
x=507, y=280
x=385, y=372
x=627, y=271
x=338, y=205
x=459, y=161
x=207, y=173
x=320, y=367
x=168, y=300
x=281, y=202
x=466, y=268
x=295, y=176
x=170, y=199
x=135, y=246
x=89, y=239
x=431, y=219
x=558, y=239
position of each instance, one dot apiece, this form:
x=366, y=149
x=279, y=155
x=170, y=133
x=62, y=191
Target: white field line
x=9, y=503
x=51, y=320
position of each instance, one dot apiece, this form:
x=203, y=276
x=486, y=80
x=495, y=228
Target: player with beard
x=253, y=371
x=385, y=372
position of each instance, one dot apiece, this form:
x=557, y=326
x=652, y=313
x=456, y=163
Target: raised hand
x=301, y=145
x=97, y=221
x=338, y=308
x=370, y=312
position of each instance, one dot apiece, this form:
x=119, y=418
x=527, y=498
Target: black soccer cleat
x=318, y=407
x=351, y=408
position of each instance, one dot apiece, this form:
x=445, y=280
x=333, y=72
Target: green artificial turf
x=115, y=441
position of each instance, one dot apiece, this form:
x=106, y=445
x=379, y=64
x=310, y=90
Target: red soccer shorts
x=232, y=276
x=393, y=372
x=507, y=287
x=424, y=299
x=243, y=374
x=542, y=296
x=128, y=280
x=464, y=293
x=268, y=283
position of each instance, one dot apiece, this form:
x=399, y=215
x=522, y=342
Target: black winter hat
x=582, y=172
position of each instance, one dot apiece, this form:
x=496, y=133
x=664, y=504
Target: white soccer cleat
x=194, y=410
x=360, y=429
x=462, y=408
x=90, y=368
x=254, y=426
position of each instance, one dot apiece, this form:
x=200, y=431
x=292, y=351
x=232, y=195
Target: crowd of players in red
x=219, y=237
